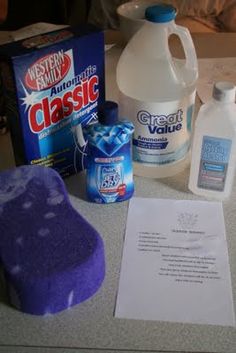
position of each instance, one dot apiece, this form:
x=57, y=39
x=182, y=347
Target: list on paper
x=175, y=263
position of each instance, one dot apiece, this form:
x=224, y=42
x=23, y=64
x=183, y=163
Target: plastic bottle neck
x=156, y=36
x=160, y=28
x=161, y=25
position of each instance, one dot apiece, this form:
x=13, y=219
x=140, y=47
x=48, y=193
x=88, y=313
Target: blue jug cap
x=108, y=113
x=160, y=13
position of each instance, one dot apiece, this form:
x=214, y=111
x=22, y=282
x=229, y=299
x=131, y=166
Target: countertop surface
x=91, y=325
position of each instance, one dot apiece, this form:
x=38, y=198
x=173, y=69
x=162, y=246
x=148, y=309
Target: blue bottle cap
x=160, y=13
x=108, y=113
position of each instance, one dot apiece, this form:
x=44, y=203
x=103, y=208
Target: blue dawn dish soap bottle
x=109, y=170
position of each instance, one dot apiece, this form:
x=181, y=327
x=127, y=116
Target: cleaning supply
x=214, y=145
x=109, y=170
x=51, y=256
x=157, y=94
x=53, y=84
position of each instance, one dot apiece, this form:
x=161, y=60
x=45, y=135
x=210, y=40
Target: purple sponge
x=52, y=258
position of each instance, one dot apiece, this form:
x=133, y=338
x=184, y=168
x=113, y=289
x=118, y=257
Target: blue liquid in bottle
x=109, y=170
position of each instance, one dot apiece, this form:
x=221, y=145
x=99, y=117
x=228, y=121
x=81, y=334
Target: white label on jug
x=162, y=130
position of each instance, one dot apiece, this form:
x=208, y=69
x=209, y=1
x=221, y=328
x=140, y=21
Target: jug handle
x=183, y=33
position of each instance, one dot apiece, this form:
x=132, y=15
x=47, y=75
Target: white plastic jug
x=157, y=94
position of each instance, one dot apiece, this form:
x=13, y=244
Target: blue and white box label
x=54, y=83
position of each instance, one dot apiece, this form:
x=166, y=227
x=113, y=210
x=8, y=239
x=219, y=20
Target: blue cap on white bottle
x=224, y=91
x=108, y=113
x=160, y=13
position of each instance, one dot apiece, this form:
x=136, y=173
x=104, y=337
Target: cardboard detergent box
x=53, y=84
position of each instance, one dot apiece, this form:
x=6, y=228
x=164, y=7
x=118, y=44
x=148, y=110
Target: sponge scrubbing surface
x=52, y=257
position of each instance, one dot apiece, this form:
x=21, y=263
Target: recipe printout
x=175, y=263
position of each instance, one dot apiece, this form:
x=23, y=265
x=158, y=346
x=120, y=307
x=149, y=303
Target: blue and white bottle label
x=110, y=180
x=162, y=130
x=109, y=170
x=214, y=161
